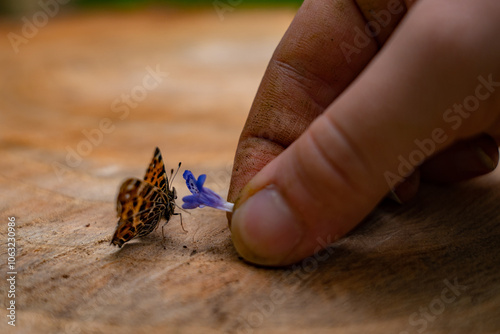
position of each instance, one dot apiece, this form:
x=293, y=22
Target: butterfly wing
x=140, y=207
x=156, y=174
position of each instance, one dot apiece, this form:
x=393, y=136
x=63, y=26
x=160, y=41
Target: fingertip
x=265, y=230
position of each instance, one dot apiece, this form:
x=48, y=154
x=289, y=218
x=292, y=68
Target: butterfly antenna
x=172, y=175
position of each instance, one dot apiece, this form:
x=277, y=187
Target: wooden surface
x=391, y=275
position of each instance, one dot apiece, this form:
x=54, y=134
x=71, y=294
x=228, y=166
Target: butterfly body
x=141, y=204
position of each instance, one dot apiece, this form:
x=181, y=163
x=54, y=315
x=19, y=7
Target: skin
x=327, y=126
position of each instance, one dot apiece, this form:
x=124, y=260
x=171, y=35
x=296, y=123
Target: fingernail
x=392, y=195
x=404, y=192
x=486, y=159
x=264, y=229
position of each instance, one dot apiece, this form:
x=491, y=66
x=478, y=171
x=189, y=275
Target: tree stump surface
x=430, y=266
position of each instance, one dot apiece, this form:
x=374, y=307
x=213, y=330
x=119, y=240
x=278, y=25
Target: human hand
x=341, y=118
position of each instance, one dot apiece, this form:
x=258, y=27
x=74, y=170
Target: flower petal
x=189, y=206
x=191, y=202
x=201, y=181
x=191, y=182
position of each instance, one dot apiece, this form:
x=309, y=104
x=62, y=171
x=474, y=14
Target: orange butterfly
x=141, y=204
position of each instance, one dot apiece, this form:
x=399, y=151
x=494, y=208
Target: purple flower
x=202, y=196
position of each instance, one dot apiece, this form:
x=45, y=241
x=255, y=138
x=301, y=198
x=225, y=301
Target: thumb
x=385, y=124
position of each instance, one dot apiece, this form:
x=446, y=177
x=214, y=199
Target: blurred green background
x=26, y=6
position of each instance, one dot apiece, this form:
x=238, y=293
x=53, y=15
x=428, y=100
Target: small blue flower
x=202, y=196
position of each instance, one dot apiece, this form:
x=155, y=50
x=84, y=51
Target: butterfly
x=141, y=204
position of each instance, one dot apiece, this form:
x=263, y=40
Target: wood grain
x=430, y=266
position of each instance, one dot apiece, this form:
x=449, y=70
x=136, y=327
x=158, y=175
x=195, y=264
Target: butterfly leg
x=182, y=226
x=163, y=238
